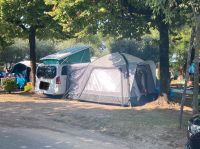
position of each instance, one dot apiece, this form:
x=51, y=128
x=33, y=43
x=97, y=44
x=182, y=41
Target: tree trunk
x=164, y=58
x=187, y=75
x=32, y=33
x=195, y=103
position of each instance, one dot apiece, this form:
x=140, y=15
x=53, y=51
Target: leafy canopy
x=19, y=51
x=81, y=17
x=25, y=14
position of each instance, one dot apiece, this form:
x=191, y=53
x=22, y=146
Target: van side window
x=64, y=70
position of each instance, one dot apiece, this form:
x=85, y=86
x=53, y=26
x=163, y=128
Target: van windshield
x=48, y=72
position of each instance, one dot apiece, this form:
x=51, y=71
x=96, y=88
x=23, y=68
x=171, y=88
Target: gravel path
x=151, y=126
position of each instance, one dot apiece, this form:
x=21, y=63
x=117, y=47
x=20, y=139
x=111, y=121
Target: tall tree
x=194, y=13
x=29, y=19
x=191, y=46
x=195, y=104
x=166, y=16
x=123, y=18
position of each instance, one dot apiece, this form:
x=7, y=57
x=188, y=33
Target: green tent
x=79, y=54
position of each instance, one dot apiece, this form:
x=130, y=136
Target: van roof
x=65, y=53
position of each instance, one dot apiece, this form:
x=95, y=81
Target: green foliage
x=13, y=54
x=122, y=19
x=99, y=44
x=179, y=45
x=145, y=49
x=150, y=49
x=125, y=46
x=1, y=68
x=23, y=14
x=62, y=44
x=4, y=42
x=96, y=41
x=19, y=51
x=175, y=12
x=44, y=48
x=9, y=85
x=6, y=32
x=89, y=17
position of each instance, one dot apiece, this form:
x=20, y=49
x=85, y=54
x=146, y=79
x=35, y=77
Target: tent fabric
x=115, y=78
x=75, y=75
x=153, y=69
x=65, y=53
x=26, y=63
x=114, y=60
x=23, y=68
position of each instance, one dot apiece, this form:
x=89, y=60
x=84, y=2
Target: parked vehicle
x=193, y=133
x=51, y=78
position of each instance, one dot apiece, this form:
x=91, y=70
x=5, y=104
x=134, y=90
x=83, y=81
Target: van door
x=63, y=79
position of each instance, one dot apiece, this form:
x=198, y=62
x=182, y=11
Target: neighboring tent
x=115, y=78
x=24, y=68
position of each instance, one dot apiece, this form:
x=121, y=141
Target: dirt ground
x=152, y=126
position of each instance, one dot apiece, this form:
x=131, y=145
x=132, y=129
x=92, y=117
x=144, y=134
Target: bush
x=146, y=49
x=9, y=85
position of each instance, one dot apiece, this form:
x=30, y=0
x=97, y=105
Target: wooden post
x=195, y=103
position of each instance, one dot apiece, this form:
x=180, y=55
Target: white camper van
x=51, y=78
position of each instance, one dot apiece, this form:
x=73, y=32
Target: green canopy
x=79, y=54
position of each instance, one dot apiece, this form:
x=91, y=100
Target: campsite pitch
x=152, y=126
